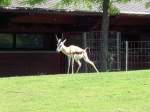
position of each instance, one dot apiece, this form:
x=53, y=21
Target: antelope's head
x=60, y=44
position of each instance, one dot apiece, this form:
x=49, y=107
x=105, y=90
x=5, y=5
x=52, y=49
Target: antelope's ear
x=64, y=40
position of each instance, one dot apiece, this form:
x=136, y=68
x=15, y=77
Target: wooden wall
x=30, y=63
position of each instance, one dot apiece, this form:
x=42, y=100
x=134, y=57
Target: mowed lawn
x=103, y=92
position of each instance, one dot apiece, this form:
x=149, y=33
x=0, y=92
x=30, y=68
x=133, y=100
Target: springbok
x=74, y=53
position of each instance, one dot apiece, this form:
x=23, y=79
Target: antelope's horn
x=56, y=37
x=64, y=40
x=62, y=36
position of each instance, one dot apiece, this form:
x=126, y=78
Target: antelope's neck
x=66, y=50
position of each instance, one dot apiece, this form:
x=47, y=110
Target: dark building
x=27, y=36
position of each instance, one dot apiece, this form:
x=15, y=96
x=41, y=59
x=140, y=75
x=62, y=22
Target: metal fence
x=135, y=55
x=93, y=41
x=122, y=55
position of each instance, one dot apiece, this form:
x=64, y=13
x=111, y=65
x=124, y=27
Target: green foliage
x=113, y=10
x=5, y=2
x=104, y=92
x=80, y=4
x=32, y=2
x=90, y=4
x=122, y=1
x=147, y=5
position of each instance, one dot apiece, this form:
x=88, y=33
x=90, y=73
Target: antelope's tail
x=88, y=49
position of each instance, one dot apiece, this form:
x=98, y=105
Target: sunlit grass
x=104, y=92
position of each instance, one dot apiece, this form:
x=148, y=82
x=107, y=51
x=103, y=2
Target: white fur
x=74, y=53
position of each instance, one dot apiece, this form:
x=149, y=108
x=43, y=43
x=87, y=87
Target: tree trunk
x=105, y=33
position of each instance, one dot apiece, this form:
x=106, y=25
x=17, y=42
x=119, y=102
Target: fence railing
x=137, y=54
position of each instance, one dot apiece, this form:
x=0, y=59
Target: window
x=27, y=42
x=6, y=41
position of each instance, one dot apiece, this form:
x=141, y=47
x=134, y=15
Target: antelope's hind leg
x=79, y=65
x=72, y=65
x=69, y=60
x=86, y=59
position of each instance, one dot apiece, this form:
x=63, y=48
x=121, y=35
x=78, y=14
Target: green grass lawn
x=103, y=92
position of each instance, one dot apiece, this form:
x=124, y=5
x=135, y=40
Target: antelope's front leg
x=69, y=59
